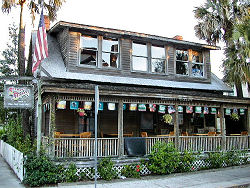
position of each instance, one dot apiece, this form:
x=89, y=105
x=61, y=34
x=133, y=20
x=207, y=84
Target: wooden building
x=141, y=77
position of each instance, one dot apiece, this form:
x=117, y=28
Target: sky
x=166, y=18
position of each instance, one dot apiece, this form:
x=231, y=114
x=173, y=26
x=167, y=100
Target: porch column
x=120, y=129
x=176, y=128
x=52, y=124
x=248, y=120
x=222, y=128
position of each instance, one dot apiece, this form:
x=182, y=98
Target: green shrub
x=215, y=159
x=164, y=158
x=131, y=171
x=106, y=169
x=83, y=175
x=186, y=161
x=70, y=173
x=41, y=170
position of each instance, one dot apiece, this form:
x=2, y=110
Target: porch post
x=222, y=128
x=52, y=123
x=248, y=120
x=176, y=128
x=120, y=129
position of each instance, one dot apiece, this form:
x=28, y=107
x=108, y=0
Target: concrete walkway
x=7, y=177
x=227, y=177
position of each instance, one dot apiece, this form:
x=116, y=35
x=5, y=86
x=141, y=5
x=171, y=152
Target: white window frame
x=146, y=57
x=197, y=63
x=164, y=59
x=188, y=63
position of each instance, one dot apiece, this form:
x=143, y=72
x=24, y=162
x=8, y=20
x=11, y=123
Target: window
x=88, y=50
x=110, y=53
x=182, y=62
x=139, y=57
x=197, y=64
x=158, y=59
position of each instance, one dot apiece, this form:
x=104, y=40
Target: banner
x=111, y=106
x=101, y=105
x=61, y=105
x=242, y=111
x=162, y=109
x=171, y=109
x=189, y=109
x=132, y=107
x=206, y=110
x=198, y=109
x=142, y=107
x=213, y=111
x=152, y=107
x=228, y=111
x=74, y=105
x=88, y=105
x=180, y=109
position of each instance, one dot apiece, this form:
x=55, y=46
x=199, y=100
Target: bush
x=70, y=173
x=41, y=170
x=106, y=169
x=216, y=159
x=164, y=158
x=186, y=161
x=131, y=171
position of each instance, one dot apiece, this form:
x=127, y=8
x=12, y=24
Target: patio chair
x=144, y=134
x=57, y=134
x=184, y=134
x=85, y=135
x=244, y=133
x=211, y=133
x=171, y=133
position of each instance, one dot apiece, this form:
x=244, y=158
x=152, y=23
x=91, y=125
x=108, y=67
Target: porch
x=84, y=147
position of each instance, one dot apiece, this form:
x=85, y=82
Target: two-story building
x=141, y=78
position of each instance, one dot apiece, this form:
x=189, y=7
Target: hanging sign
x=152, y=107
x=213, y=111
x=228, y=111
x=132, y=107
x=111, y=106
x=171, y=109
x=81, y=112
x=242, y=111
x=206, y=110
x=180, y=109
x=189, y=109
x=101, y=105
x=142, y=107
x=74, y=105
x=162, y=109
x=198, y=109
x=124, y=106
x=18, y=96
x=235, y=111
x=61, y=105
x=88, y=105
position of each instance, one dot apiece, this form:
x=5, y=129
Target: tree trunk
x=21, y=45
x=239, y=91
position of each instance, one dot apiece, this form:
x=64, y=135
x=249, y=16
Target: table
x=162, y=135
x=69, y=135
x=200, y=134
x=235, y=134
x=115, y=134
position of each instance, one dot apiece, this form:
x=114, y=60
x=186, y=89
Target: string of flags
x=87, y=105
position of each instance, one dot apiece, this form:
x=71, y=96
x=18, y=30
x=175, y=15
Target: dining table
x=69, y=135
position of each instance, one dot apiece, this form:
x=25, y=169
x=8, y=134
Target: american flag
x=41, y=45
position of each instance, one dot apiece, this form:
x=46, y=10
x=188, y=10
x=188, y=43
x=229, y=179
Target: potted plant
x=167, y=118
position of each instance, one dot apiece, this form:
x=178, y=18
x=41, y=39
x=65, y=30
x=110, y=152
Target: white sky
x=159, y=17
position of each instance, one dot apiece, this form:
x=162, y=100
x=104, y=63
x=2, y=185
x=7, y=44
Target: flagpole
x=96, y=116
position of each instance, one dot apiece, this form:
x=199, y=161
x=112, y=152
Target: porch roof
x=54, y=67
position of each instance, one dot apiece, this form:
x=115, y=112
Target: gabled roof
x=81, y=27
x=54, y=67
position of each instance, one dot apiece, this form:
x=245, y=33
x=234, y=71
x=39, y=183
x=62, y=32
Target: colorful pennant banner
x=74, y=105
x=132, y=107
x=213, y=111
x=61, y=105
x=162, y=109
x=198, y=109
x=111, y=106
x=88, y=105
x=206, y=110
x=171, y=109
x=189, y=109
x=180, y=109
x=142, y=107
x=152, y=107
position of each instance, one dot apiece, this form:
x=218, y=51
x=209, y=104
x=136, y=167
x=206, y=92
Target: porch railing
x=84, y=147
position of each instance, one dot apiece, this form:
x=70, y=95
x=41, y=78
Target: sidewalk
x=7, y=177
x=227, y=177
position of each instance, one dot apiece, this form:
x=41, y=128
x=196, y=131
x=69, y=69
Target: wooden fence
x=84, y=147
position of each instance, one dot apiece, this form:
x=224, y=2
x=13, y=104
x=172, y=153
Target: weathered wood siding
x=125, y=62
x=63, y=40
x=207, y=64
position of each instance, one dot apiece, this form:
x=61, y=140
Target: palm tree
x=34, y=7
x=217, y=20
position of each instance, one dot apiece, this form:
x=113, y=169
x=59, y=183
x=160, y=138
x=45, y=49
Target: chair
x=171, y=133
x=244, y=133
x=184, y=134
x=85, y=135
x=211, y=133
x=57, y=134
x=144, y=134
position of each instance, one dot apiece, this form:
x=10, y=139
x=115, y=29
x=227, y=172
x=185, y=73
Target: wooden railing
x=84, y=147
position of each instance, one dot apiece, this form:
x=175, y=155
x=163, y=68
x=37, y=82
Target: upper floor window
x=110, y=53
x=158, y=59
x=197, y=64
x=182, y=62
x=139, y=57
x=88, y=50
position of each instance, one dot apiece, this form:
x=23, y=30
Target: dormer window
x=88, y=50
x=182, y=62
x=139, y=57
x=110, y=53
x=158, y=59
x=197, y=64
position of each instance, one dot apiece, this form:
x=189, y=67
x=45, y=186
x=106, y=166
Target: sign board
x=18, y=96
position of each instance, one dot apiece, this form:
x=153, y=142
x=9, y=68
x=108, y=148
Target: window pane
x=158, y=52
x=89, y=42
x=158, y=65
x=109, y=60
x=181, y=68
x=197, y=70
x=182, y=55
x=110, y=45
x=88, y=57
x=197, y=57
x=140, y=49
x=140, y=63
